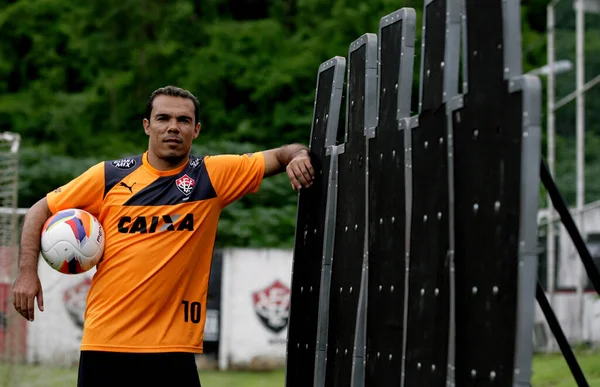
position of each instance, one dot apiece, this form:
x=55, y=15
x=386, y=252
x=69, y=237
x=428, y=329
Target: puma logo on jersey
x=151, y=224
x=130, y=188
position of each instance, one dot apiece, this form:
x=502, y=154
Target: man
x=145, y=309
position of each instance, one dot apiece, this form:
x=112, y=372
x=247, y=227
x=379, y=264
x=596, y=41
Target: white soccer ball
x=72, y=241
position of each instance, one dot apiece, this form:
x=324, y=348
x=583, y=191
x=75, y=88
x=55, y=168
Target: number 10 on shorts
x=191, y=311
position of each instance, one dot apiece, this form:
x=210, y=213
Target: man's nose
x=173, y=126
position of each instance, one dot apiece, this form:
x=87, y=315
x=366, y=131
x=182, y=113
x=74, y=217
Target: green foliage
x=77, y=76
x=43, y=170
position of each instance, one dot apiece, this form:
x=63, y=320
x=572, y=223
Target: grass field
x=549, y=371
x=552, y=370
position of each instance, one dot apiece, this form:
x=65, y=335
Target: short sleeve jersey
x=150, y=287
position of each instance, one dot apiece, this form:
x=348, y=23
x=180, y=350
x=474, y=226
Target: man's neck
x=162, y=164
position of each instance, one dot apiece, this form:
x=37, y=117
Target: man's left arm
x=295, y=160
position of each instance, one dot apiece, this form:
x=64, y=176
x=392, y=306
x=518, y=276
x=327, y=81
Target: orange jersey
x=149, y=290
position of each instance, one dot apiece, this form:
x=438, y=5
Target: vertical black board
x=349, y=231
x=309, y=240
x=387, y=205
x=428, y=305
x=487, y=180
x=432, y=74
x=213, y=302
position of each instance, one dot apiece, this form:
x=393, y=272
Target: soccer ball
x=72, y=241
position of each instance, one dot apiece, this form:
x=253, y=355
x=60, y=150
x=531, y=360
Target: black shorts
x=117, y=369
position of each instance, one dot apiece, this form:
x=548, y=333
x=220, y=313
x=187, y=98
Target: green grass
x=553, y=371
x=549, y=371
x=246, y=379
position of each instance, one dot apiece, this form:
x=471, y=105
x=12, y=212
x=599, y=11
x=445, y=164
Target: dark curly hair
x=172, y=91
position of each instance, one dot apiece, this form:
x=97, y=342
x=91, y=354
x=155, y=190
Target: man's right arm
x=85, y=192
x=27, y=287
x=30, y=238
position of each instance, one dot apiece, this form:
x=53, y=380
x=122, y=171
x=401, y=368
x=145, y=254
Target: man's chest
x=143, y=189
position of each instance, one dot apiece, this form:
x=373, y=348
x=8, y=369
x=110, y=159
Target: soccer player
x=145, y=311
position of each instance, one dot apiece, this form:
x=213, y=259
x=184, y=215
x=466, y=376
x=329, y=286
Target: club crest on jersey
x=124, y=163
x=185, y=184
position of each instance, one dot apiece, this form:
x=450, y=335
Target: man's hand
x=295, y=160
x=27, y=287
x=300, y=170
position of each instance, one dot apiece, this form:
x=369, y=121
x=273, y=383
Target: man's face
x=171, y=127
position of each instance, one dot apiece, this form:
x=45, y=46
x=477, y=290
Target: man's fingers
x=30, y=308
x=293, y=179
x=307, y=171
x=310, y=168
x=301, y=174
x=40, y=300
x=21, y=305
x=17, y=302
x=26, y=289
x=306, y=164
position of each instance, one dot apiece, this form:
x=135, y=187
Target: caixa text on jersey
x=157, y=223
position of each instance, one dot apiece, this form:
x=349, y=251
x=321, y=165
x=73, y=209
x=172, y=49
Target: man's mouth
x=172, y=141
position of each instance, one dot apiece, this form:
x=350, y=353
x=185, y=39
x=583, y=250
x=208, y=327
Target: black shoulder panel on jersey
x=116, y=170
x=190, y=185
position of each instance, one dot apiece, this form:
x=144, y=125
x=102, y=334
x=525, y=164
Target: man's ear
x=197, y=130
x=146, y=124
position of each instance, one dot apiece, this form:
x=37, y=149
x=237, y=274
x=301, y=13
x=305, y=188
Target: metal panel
x=427, y=312
x=432, y=55
x=451, y=82
x=453, y=104
x=406, y=125
x=428, y=299
x=323, y=317
x=511, y=15
x=332, y=152
x=349, y=232
x=387, y=204
x=312, y=226
x=530, y=156
x=486, y=174
x=398, y=29
x=464, y=48
x=428, y=327
x=453, y=248
x=370, y=122
x=484, y=25
x=494, y=267
x=452, y=49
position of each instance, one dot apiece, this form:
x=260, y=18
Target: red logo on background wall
x=185, y=184
x=74, y=298
x=272, y=306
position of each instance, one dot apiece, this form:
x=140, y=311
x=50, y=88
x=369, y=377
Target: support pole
x=550, y=234
x=580, y=159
